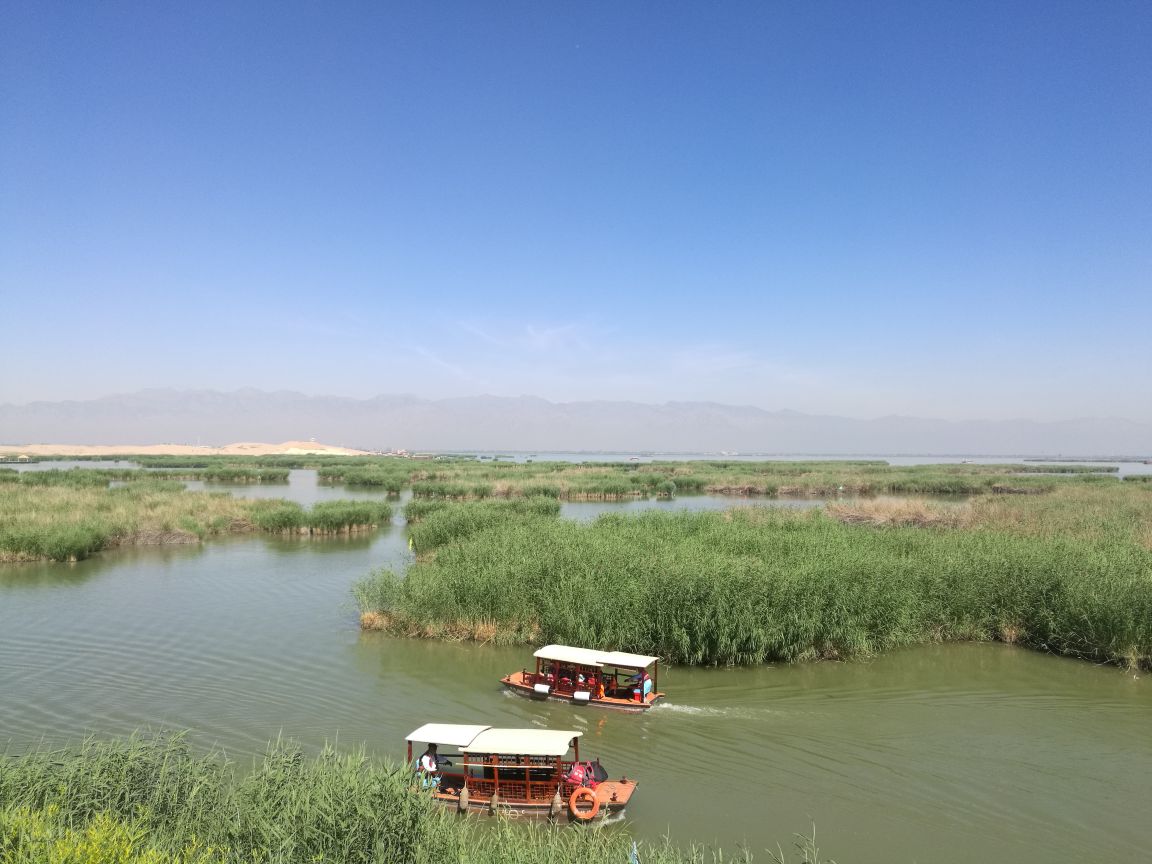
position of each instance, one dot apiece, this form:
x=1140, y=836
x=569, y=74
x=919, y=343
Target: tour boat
x=522, y=770
x=582, y=676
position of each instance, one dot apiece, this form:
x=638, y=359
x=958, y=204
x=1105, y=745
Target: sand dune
x=288, y=448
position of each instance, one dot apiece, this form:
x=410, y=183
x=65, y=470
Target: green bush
x=278, y=515
x=335, y=516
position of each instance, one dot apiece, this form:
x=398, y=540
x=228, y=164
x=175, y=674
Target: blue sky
x=934, y=209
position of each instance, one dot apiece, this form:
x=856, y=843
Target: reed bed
x=918, y=512
x=326, y=517
x=74, y=514
x=334, y=807
x=460, y=479
x=1065, y=469
x=75, y=477
x=231, y=474
x=759, y=584
x=152, y=800
x=470, y=480
x=390, y=477
x=283, y=461
x=61, y=523
x=418, y=508
x=1111, y=515
x=454, y=522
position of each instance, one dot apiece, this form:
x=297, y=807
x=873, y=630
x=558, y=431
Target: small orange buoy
x=581, y=795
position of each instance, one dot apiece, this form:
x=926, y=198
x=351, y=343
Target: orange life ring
x=583, y=793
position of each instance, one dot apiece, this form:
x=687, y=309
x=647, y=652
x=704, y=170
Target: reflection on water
x=303, y=487
x=949, y=753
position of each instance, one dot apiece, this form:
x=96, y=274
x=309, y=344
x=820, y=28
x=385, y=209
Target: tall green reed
x=757, y=585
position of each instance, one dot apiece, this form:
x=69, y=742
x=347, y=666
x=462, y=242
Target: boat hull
x=612, y=796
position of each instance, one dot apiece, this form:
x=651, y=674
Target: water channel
x=950, y=753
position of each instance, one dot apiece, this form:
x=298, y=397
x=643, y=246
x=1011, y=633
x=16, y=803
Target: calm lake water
x=951, y=753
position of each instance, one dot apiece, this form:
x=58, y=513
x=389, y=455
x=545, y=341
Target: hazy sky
x=938, y=209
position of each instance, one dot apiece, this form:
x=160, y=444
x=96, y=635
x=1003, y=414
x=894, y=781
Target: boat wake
x=695, y=710
x=731, y=713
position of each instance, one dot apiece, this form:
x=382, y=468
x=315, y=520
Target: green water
x=950, y=753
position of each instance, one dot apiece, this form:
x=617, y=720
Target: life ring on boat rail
x=579, y=795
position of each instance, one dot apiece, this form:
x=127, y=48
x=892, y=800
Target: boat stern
x=615, y=794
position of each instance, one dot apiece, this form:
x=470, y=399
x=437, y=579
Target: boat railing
x=513, y=790
x=518, y=778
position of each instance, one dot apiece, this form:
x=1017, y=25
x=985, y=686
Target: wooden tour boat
x=607, y=679
x=522, y=770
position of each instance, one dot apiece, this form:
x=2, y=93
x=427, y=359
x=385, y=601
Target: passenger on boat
x=429, y=761
x=642, y=685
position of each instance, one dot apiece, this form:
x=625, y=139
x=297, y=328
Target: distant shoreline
x=288, y=448
x=309, y=448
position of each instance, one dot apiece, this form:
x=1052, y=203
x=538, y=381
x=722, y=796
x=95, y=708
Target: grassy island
x=1068, y=572
x=69, y=515
x=615, y=481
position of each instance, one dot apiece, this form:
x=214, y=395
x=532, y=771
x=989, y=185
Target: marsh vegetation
x=1068, y=572
x=467, y=479
x=69, y=515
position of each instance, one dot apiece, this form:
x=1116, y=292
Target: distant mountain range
x=533, y=424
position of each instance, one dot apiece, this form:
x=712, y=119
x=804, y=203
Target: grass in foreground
x=153, y=801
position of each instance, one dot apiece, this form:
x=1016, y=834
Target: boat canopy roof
x=568, y=654
x=523, y=742
x=452, y=734
x=630, y=661
x=503, y=742
x=589, y=657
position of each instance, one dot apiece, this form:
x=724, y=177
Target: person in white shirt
x=430, y=762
